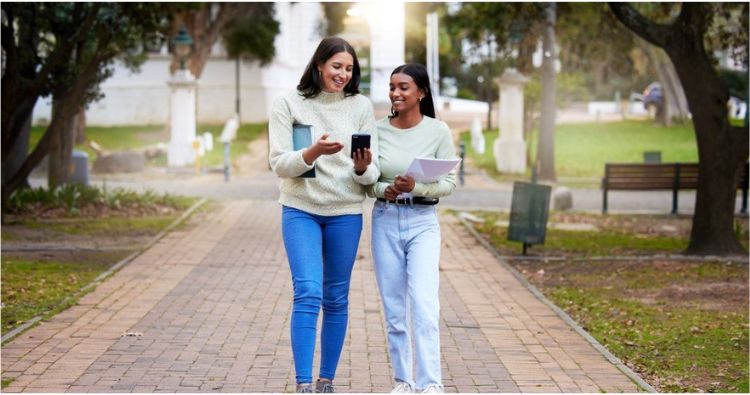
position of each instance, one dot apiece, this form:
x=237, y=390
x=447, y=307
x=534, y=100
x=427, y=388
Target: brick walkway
x=207, y=309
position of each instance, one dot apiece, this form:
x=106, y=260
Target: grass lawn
x=681, y=324
x=42, y=287
x=120, y=138
x=245, y=134
x=115, y=138
x=112, y=226
x=581, y=150
x=56, y=242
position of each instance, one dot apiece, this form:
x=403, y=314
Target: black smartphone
x=359, y=141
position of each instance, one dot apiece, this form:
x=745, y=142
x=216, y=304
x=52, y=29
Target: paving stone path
x=207, y=310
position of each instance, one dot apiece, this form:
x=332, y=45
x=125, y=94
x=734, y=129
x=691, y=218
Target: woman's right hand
x=321, y=147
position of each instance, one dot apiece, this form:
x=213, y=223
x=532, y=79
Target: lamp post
x=182, y=44
x=182, y=108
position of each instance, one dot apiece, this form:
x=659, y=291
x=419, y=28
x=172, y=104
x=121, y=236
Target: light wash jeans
x=321, y=252
x=406, y=255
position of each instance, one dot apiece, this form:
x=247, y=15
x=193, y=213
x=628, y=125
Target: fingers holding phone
x=362, y=158
x=361, y=152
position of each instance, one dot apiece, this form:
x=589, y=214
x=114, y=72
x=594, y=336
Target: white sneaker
x=433, y=389
x=402, y=388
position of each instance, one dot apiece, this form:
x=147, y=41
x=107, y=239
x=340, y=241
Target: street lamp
x=182, y=44
x=514, y=37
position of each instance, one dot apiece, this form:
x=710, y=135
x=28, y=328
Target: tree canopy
x=65, y=50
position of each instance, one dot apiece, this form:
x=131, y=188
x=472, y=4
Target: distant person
x=405, y=231
x=321, y=218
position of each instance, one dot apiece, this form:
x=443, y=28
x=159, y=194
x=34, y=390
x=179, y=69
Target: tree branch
x=226, y=13
x=654, y=33
x=62, y=52
x=694, y=17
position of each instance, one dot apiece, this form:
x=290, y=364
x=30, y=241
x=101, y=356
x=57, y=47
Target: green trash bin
x=529, y=210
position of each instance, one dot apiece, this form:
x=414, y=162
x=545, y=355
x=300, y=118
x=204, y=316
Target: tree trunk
x=722, y=149
x=61, y=145
x=675, y=103
x=79, y=126
x=205, y=28
x=546, y=150
x=17, y=154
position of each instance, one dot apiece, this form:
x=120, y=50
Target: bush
x=72, y=197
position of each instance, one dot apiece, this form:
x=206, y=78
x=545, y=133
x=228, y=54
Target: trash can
x=529, y=210
x=79, y=168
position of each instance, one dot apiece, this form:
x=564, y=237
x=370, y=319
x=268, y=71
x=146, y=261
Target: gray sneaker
x=324, y=387
x=305, y=388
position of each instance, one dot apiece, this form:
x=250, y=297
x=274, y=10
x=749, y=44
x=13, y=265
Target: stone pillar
x=510, y=149
x=182, y=119
x=386, y=46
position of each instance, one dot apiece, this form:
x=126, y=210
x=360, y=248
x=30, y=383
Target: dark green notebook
x=302, y=137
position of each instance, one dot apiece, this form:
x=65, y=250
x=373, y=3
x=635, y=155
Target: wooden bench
x=659, y=176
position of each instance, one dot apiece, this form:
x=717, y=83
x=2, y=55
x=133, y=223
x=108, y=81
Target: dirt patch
x=725, y=288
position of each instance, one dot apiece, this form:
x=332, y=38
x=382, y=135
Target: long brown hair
x=311, y=84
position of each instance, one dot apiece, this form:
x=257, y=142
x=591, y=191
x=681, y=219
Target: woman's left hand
x=404, y=183
x=362, y=159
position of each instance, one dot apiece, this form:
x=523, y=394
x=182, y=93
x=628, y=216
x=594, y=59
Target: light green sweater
x=398, y=147
x=336, y=189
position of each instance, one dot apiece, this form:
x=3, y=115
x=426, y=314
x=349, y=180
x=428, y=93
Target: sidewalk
x=207, y=309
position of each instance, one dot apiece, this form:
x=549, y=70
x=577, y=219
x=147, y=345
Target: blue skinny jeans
x=321, y=252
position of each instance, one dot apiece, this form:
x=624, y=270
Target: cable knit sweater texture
x=336, y=189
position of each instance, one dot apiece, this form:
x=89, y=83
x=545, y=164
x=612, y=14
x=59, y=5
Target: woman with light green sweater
x=322, y=215
x=406, y=232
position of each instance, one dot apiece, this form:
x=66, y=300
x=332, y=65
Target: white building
x=143, y=98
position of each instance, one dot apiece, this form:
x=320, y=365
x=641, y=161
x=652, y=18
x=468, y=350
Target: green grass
x=120, y=138
x=689, y=349
x=581, y=150
x=605, y=242
x=245, y=134
x=682, y=325
x=32, y=288
x=112, y=226
x=115, y=138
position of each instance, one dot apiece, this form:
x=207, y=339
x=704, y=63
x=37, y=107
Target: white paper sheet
x=426, y=170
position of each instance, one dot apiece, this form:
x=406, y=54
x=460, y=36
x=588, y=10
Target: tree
x=487, y=28
x=722, y=148
x=546, y=145
x=248, y=30
x=64, y=50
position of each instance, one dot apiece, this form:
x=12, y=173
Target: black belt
x=425, y=201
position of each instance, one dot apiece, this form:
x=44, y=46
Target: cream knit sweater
x=336, y=189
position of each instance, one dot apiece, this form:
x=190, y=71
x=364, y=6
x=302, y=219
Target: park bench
x=659, y=176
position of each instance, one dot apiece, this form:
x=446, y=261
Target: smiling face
x=404, y=93
x=336, y=72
